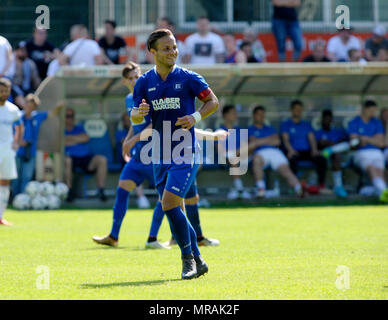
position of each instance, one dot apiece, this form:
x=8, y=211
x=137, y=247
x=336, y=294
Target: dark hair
x=327, y=113
x=227, y=108
x=202, y=17
x=168, y=20
x=258, y=108
x=295, y=102
x=369, y=104
x=129, y=67
x=5, y=82
x=112, y=23
x=155, y=36
x=244, y=44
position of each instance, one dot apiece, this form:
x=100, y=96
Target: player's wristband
x=197, y=116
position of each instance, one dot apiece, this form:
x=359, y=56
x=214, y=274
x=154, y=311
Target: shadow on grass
x=125, y=284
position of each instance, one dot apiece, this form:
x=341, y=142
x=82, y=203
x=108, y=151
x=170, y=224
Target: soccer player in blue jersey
x=134, y=172
x=264, y=144
x=167, y=94
x=369, y=156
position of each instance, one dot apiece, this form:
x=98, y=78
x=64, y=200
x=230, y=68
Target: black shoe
x=189, y=269
x=101, y=195
x=202, y=266
x=70, y=196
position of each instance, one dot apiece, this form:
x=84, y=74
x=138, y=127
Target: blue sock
x=119, y=210
x=193, y=215
x=179, y=226
x=194, y=245
x=157, y=219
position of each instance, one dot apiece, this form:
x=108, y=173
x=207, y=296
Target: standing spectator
x=112, y=44
x=376, y=46
x=251, y=35
x=204, y=46
x=25, y=156
x=369, y=157
x=26, y=78
x=285, y=23
x=264, y=143
x=328, y=136
x=5, y=58
x=299, y=141
x=319, y=53
x=384, y=120
x=233, y=55
x=81, y=51
x=41, y=51
x=167, y=23
x=355, y=55
x=338, y=46
x=78, y=155
x=246, y=47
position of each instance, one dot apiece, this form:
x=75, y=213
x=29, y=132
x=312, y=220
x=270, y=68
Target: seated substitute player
x=9, y=119
x=369, y=157
x=167, y=93
x=264, y=142
x=299, y=141
x=77, y=155
x=230, y=118
x=25, y=157
x=329, y=136
x=384, y=120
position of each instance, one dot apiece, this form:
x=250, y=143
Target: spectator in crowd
x=41, y=51
x=299, y=141
x=113, y=46
x=233, y=55
x=328, y=135
x=285, y=23
x=6, y=58
x=25, y=156
x=78, y=156
x=246, y=47
x=377, y=45
x=167, y=23
x=384, y=120
x=264, y=142
x=251, y=35
x=26, y=77
x=204, y=46
x=230, y=122
x=81, y=51
x=369, y=156
x=339, y=45
x=319, y=53
x=355, y=55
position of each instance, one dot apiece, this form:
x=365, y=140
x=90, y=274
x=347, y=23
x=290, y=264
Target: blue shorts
x=138, y=172
x=175, y=178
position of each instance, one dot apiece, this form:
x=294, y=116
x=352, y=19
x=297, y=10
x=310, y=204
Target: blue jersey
x=236, y=137
x=334, y=135
x=137, y=128
x=298, y=133
x=77, y=150
x=169, y=100
x=31, y=131
x=263, y=132
x=359, y=127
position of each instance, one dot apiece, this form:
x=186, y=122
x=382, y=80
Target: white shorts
x=369, y=157
x=272, y=157
x=8, y=165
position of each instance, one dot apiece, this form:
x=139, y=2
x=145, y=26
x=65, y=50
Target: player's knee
x=101, y=160
x=127, y=185
x=258, y=160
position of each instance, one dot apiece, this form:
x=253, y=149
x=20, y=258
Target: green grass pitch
x=265, y=253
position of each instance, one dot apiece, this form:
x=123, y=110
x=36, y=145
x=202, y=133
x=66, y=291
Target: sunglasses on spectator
x=69, y=116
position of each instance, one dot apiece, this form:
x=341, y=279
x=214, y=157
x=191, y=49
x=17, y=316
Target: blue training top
x=373, y=127
x=169, y=100
x=77, y=150
x=265, y=131
x=298, y=133
x=334, y=135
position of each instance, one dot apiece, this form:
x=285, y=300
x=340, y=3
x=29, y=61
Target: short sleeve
x=379, y=127
x=197, y=84
x=271, y=131
x=219, y=45
x=352, y=128
x=309, y=127
x=139, y=93
x=122, y=42
x=284, y=127
x=96, y=49
x=42, y=116
x=331, y=45
x=189, y=45
x=17, y=115
x=68, y=50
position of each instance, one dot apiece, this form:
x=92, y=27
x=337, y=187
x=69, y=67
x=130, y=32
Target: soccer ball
x=53, y=202
x=33, y=188
x=22, y=201
x=39, y=203
x=61, y=190
x=47, y=188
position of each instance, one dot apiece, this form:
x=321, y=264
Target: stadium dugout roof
x=271, y=79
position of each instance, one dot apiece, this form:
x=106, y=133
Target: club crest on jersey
x=178, y=86
x=166, y=103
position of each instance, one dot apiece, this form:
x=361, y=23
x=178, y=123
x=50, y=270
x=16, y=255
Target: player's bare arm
x=219, y=135
x=254, y=142
x=138, y=114
x=76, y=139
x=290, y=150
x=377, y=140
x=313, y=144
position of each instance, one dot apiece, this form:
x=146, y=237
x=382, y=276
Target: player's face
x=231, y=116
x=4, y=94
x=259, y=117
x=131, y=79
x=167, y=51
x=29, y=106
x=70, y=118
x=326, y=121
x=297, y=111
